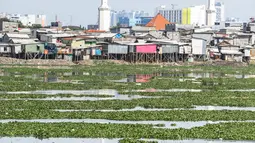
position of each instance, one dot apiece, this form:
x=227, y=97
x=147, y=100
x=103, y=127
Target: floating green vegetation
x=174, y=115
x=135, y=141
x=226, y=131
x=169, y=101
x=41, y=96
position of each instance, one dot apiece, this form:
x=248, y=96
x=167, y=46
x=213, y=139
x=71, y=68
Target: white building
x=41, y=20
x=157, y=9
x=29, y=19
x=172, y=15
x=211, y=13
x=104, y=16
x=195, y=15
x=220, y=11
x=198, y=15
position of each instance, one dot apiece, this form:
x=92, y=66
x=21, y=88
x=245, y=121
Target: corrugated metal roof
x=231, y=52
x=60, y=35
x=106, y=35
x=23, y=41
x=168, y=42
x=143, y=28
x=215, y=50
x=16, y=35
x=137, y=44
x=8, y=44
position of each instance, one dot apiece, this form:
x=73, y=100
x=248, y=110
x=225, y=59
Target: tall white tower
x=211, y=13
x=104, y=16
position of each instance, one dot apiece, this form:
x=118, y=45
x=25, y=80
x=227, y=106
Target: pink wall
x=146, y=49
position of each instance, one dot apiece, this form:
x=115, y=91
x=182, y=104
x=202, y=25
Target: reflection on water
x=138, y=78
x=99, y=140
x=167, y=124
x=115, y=95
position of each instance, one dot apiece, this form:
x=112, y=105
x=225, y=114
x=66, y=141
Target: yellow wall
x=78, y=44
x=186, y=16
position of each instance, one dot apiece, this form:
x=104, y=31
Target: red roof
x=159, y=22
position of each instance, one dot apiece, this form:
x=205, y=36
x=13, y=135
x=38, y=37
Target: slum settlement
x=161, y=43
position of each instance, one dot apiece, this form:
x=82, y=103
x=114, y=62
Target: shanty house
x=8, y=36
x=34, y=50
x=6, y=49
x=208, y=36
x=198, y=46
x=230, y=52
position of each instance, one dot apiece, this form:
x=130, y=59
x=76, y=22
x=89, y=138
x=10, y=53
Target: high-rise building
x=211, y=13
x=220, y=11
x=172, y=15
x=40, y=20
x=125, y=18
x=104, y=16
x=145, y=20
x=157, y=9
x=195, y=15
x=29, y=19
x=114, y=18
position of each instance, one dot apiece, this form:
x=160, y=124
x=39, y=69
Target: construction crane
x=173, y=5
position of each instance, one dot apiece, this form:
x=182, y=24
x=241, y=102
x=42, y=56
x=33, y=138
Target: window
x=5, y=49
x=38, y=48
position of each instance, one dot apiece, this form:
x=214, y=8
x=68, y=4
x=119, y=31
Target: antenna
x=173, y=5
x=71, y=20
x=56, y=18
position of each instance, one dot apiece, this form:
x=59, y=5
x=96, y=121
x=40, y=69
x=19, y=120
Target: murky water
x=138, y=78
x=167, y=124
x=101, y=140
x=124, y=110
x=74, y=92
x=219, y=108
x=167, y=90
x=207, y=108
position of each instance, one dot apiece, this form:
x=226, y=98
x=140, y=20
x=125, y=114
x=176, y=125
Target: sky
x=84, y=12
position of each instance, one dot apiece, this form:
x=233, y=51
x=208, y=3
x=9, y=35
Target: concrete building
x=211, y=13
x=145, y=20
x=8, y=26
x=114, y=18
x=41, y=20
x=195, y=15
x=220, y=11
x=134, y=21
x=172, y=15
x=29, y=19
x=104, y=16
x=131, y=18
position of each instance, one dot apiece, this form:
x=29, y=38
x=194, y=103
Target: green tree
x=4, y=19
x=20, y=24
